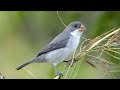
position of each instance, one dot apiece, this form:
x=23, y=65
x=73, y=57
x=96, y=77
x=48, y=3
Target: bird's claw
x=59, y=74
x=71, y=61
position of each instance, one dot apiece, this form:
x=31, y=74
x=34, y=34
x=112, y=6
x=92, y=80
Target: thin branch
x=104, y=60
x=113, y=51
x=112, y=55
x=72, y=72
x=115, y=71
x=104, y=74
x=82, y=45
x=78, y=66
x=115, y=48
x=61, y=19
x=108, y=70
x=85, y=38
x=31, y=73
x=103, y=38
x=69, y=69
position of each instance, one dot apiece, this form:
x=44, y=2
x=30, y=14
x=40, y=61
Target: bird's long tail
x=23, y=65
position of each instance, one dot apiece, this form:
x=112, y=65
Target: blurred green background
x=24, y=33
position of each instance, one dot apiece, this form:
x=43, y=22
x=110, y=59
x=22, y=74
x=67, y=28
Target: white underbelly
x=60, y=55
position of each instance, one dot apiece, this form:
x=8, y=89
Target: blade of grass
x=104, y=60
x=31, y=73
x=78, y=67
x=104, y=74
x=115, y=71
x=68, y=69
x=61, y=19
x=115, y=48
x=113, y=51
x=103, y=38
x=112, y=55
x=72, y=72
x=107, y=70
x=95, y=42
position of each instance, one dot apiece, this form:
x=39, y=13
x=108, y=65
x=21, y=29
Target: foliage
x=24, y=33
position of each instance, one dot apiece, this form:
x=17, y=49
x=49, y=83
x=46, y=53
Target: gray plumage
x=59, y=42
x=63, y=43
x=56, y=43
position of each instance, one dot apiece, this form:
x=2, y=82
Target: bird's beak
x=82, y=28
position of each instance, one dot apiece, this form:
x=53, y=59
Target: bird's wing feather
x=57, y=43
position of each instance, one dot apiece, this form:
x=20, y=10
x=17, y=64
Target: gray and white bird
x=61, y=47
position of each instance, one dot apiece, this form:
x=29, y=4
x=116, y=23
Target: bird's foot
x=59, y=74
x=71, y=62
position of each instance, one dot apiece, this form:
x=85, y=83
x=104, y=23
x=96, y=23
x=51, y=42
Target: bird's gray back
x=58, y=42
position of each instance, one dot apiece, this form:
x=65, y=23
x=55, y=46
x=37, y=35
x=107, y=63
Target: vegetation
x=24, y=33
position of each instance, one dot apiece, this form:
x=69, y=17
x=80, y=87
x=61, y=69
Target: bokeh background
x=24, y=33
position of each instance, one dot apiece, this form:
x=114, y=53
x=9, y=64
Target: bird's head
x=75, y=28
x=76, y=25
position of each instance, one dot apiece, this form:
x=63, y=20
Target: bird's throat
x=76, y=33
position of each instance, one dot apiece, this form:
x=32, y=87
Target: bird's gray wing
x=57, y=43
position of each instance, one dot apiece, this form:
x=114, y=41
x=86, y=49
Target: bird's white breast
x=60, y=55
x=74, y=39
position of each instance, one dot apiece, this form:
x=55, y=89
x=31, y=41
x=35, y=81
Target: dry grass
x=105, y=43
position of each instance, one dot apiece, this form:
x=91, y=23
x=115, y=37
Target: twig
x=108, y=70
x=112, y=55
x=69, y=68
x=31, y=73
x=78, y=66
x=109, y=36
x=104, y=74
x=95, y=42
x=61, y=19
x=103, y=38
x=81, y=45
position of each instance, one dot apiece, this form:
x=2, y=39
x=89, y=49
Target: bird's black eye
x=75, y=25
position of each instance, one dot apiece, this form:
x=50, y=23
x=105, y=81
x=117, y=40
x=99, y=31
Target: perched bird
x=61, y=47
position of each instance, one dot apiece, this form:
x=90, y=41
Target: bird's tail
x=23, y=65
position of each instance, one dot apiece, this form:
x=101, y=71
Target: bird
x=61, y=47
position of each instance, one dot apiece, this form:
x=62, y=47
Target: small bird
x=61, y=47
